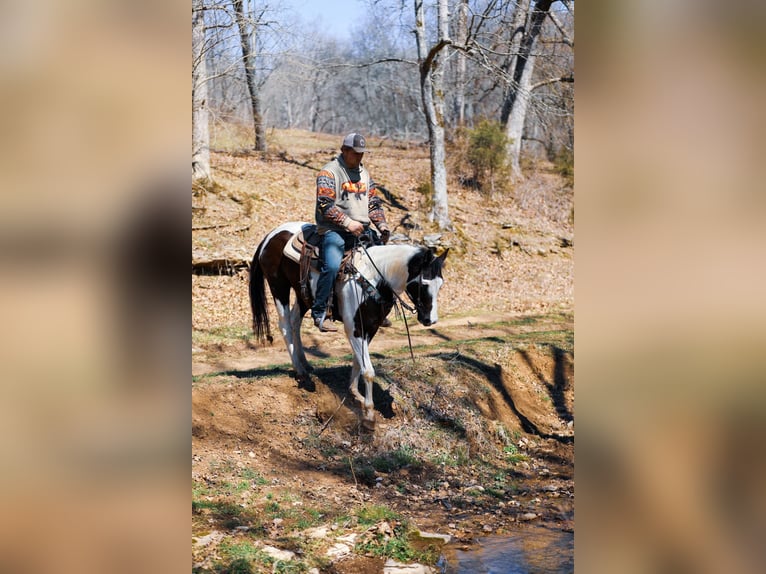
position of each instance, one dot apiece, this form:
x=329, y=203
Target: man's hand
x=355, y=228
x=384, y=235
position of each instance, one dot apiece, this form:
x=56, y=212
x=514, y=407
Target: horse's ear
x=443, y=256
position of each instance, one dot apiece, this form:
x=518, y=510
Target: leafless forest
x=411, y=71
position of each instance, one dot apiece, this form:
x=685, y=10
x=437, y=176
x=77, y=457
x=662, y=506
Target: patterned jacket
x=344, y=195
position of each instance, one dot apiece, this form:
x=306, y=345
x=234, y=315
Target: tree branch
x=426, y=65
x=566, y=79
x=559, y=24
x=373, y=63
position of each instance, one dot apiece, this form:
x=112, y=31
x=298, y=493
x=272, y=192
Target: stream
x=535, y=551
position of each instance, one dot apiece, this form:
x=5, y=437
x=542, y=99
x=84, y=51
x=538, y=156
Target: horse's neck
x=390, y=261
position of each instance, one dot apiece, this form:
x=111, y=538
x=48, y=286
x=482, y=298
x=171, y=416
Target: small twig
x=433, y=398
x=331, y=416
x=351, y=464
x=219, y=226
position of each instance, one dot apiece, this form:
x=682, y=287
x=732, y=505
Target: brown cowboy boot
x=320, y=324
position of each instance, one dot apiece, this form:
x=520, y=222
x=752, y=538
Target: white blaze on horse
x=363, y=298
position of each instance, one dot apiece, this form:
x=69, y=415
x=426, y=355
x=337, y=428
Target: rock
x=393, y=567
x=349, y=538
x=399, y=238
x=445, y=538
x=318, y=533
x=432, y=240
x=337, y=550
x=277, y=554
x=214, y=536
x=487, y=528
x=528, y=516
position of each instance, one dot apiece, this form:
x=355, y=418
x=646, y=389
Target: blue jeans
x=331, y=253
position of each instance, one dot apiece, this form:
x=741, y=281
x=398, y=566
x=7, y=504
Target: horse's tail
x=261, y=326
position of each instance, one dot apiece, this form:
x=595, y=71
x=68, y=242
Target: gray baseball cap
x=356, y=142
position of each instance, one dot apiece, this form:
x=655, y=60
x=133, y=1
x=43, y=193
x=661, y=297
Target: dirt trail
x=248, y=356
x=250, y=416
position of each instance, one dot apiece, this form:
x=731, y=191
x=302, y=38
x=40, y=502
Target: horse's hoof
x=306, y=383
x=368, y=425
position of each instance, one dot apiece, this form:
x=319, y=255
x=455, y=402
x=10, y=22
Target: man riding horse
x=346, y=203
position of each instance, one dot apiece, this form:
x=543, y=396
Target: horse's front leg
x=363, y=366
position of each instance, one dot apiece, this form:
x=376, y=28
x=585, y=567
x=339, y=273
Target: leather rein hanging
x=371, y=290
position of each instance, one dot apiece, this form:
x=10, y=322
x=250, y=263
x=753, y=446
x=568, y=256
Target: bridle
x=418, y=301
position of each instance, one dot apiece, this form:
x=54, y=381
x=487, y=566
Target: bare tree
x=504, y=59
x=248, y=27
x=526, y=29
x=460, y=74
x=200, y=113
x=432, y=92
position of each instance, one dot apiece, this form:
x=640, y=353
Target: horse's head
x=423, y=284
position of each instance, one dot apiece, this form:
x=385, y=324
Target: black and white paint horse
x=387, y=271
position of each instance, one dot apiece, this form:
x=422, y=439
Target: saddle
x=303, y=248
x=305, y=242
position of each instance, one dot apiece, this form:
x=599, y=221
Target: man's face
x=351, y=158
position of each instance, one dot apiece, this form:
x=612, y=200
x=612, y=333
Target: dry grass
x=509, y=253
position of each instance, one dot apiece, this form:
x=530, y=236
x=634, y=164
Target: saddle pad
x=294, y=247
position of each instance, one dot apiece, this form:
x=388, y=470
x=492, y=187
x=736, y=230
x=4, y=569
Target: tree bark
x=247, y=40
x=517, y=101
x=200, y=113
x=518, y=30
x=432, y=93
x=462, y=33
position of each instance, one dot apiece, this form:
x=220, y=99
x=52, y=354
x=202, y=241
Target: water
x=533, y=551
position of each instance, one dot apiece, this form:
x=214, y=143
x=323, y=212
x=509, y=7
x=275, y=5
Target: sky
x=335, y=16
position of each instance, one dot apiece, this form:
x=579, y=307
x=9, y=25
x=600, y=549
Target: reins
x=397, y=298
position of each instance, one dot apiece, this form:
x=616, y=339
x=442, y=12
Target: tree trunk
x=247, y=40
x=518, y=30
x=432, y=93
x=200, y=114
x=514, y=129
x=522, y=68
x=462, y=32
